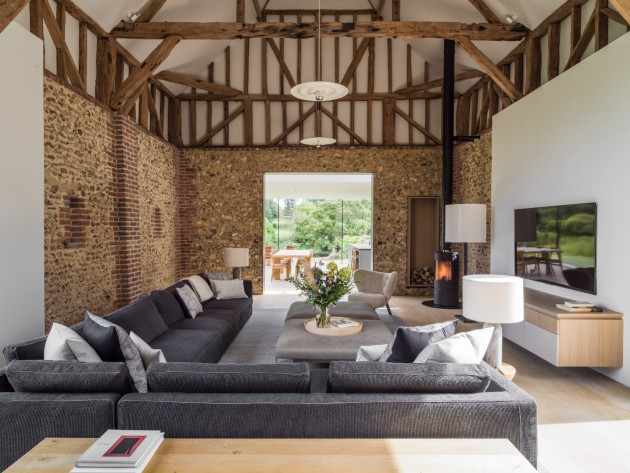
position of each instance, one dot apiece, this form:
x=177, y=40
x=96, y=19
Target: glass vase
x=323, y=318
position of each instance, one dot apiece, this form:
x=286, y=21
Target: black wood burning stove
x=446, y=286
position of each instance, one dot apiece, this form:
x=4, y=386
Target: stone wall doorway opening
x=315, y=218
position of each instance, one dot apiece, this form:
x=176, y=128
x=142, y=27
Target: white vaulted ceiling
x=193, y=56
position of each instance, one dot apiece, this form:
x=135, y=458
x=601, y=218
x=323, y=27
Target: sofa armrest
x=5, y=386
x=249, y=287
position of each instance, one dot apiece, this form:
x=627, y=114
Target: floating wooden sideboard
x=566, y=339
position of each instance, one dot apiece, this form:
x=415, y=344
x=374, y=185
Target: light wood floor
x=583, y=416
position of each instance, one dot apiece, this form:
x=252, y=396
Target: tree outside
x=325, y=226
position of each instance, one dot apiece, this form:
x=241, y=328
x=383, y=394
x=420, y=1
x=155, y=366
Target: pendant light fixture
x=319, y=91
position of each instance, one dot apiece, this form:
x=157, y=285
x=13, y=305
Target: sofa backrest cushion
x=213, y=378
x=368, y=377
x=168, y=303
x=141, y=317
x=39, y=376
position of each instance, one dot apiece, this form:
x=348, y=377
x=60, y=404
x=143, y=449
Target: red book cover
x=125, y=446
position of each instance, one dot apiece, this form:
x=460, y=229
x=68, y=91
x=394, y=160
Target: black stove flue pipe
x=448, y=134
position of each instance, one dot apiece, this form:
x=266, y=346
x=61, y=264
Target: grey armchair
x=374, y=287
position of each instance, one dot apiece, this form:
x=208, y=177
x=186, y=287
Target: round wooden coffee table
x=311, y=326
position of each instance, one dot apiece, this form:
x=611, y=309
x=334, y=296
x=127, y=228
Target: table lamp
x=494, y=299
x=465, y=223
x=236, y=258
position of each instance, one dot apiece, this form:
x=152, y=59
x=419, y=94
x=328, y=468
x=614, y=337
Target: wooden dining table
x=293, y=255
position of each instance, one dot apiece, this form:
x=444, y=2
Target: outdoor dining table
x=293, y=255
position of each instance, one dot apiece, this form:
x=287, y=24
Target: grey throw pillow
x=129, y=351
x=408, y=342
x=370, y=352
x=217, y=276
x=190, y=300
x=231, y=289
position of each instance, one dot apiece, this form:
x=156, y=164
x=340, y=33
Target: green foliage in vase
x=324, y=287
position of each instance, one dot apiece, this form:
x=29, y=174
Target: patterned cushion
x=350, y=377
x=211, y=378
x=408, y=342
x=39, y=376
x=129, y=351
x=190, y=300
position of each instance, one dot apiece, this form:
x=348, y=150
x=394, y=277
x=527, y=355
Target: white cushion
x=231, y=289
x=190, y=300
x=149, y=355
x=64, y=344
x=370, y=352
x=466, y=347
x=201, y=287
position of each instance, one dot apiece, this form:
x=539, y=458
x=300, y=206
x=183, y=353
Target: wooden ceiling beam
x=615, y=16
x=490, y=68
x=360, y=29
x=9, y=9
x=211, y=87
x=283, y=65
x=221, y=125
x=80, y=15
x=433, y=84
x=356, y=60
x=623, y=8
x=134, y=82
x=60, y=43
x=417, y=126
x=343, y=126
x=151, y=10
x=485, y=11
x=582, y=44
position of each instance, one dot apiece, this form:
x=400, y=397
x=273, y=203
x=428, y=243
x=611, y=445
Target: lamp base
x=494, y=354
x=236, y=273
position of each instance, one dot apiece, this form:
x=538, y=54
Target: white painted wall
x=21, y=186
x=568, y=142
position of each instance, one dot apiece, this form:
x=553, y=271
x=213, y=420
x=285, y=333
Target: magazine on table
x=343, y=323
x=120, y=451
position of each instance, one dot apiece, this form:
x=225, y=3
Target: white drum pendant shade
x=319, y=91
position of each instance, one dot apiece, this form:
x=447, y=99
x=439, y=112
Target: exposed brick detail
x=104, y=177
x=187, y=195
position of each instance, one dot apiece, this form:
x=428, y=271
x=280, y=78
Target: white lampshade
x=465, y=223
x=236, y=257
x=493, y=298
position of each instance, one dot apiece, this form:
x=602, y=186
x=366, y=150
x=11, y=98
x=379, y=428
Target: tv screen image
x=557, y=245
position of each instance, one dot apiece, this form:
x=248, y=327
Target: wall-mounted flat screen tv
x=557, y=245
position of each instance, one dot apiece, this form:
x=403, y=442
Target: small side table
x=508, y=371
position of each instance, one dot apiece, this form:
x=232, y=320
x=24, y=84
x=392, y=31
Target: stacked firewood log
x=422, y=276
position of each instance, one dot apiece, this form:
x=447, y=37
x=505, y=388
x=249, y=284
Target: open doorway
x=315, y=218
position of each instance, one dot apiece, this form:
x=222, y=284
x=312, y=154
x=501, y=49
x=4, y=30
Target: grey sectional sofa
x=193, y=400
x=192, y=397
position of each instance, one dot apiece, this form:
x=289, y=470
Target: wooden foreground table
x=57, y=455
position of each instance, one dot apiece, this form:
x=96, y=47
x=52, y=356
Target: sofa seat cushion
x=205, y=378
x=224, y=322
x=168, y=306
x=401, y=378
x=199, y=346
x=240, y=305
x=142, y=318
x=39, y=376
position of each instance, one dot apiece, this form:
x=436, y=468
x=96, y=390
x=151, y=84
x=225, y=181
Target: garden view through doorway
x=315, y=218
